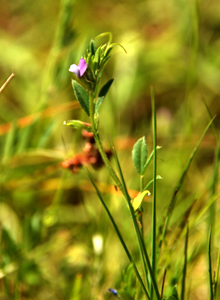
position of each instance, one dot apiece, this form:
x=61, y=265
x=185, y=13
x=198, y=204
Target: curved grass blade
x=163, y=283
x=154, y=203
x=119, y=235
x=212, y=212
x=178, y=186
x=129, y=199
x=210, y=264
x=217, y=273
x=143, y=251
x=9, y=148
x=185, y=266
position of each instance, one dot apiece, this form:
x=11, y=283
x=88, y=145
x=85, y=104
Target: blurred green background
x=49, y=217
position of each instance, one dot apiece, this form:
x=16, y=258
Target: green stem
x=119, y=184
x=99, y=146
x=210, y=264
x=154, y=220
x=120, y=237
x=185, y=265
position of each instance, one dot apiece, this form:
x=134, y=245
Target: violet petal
x=82, y=66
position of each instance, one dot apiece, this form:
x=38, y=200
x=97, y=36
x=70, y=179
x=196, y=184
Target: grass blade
x=178, y=186
x=215, y=169
x=119, y=235
x=185, y=265
x=154, y=213
x=8, y=149
x=210, y=264
x=217, y=273
x=128, y=197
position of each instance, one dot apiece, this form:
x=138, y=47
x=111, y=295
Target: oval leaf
x=137, y=201
x=81, y=96
x=139, y=155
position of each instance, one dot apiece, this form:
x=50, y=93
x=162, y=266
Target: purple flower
x=80, y=69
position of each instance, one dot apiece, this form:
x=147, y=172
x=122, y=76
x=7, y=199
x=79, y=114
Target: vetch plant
x=90, y=95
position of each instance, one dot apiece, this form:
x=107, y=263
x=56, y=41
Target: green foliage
x=81, y=96
x=139, y=156
x=48, y=215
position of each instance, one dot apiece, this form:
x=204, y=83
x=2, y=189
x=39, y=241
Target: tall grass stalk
x=178, y=186
x=185, y=265
x=154, y=204
x=119, y=236
x=126, y=195
x=210, y=263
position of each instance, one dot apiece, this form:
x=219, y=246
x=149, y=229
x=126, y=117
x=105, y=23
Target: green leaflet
x=81, y=96
x=139, y=155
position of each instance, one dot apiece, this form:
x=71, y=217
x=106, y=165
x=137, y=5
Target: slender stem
x=128, y=197
x=185, y=265
x=140, y=216
x=100, y=148
x=210, y=264
x=6, y=82
x=163, y=283
x=154, y=215
x=119, y=184
x=141, y=183
x=120, y=237
x=217, y=273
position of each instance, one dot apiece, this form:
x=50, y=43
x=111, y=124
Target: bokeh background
x=50, y=218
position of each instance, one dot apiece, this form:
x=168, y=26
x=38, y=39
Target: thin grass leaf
x=154, y=203
x=119, y=235
x=210, y=264
x=215, y=168
x=185, y=265
x=178, y=186
x=141, y=244
x=46, y=134
x=120, y=171
x=9, y=148
x=132, y=212
x=184, y=221
x=204, y=210
x=163, y=283
x=217, y=274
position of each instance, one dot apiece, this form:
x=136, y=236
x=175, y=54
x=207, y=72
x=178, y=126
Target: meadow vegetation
x=56, y=240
